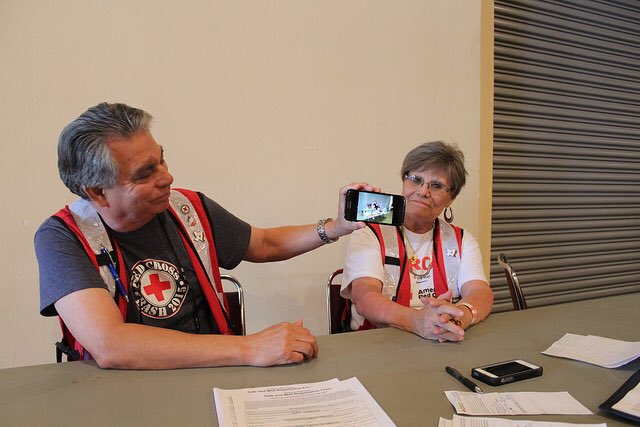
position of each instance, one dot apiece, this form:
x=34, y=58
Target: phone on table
x=506, y=372
x=378, y=208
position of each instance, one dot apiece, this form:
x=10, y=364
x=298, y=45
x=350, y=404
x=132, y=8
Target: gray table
x=404, y=373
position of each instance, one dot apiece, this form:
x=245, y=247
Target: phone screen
x=506, y=372
x=380, y=208
x=506, y=369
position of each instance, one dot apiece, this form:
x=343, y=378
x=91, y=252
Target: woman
x=427, y=263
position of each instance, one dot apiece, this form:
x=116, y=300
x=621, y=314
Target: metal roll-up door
x=566, y=178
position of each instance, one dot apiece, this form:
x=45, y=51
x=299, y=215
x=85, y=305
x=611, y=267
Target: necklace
x=414, y=261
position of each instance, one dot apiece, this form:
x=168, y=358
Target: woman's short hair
x=439, y=157
x=84, y=158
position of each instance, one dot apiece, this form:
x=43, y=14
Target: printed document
x=517, y=403
x=459, y=421
x=605, y=352
x=333, y=402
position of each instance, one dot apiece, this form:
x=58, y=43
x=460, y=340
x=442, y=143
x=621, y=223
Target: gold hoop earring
x=448, y=218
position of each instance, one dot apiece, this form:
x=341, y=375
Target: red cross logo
x=156, y=287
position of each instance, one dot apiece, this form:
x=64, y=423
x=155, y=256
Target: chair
x=517, y=297
x=235, y=301
x=338, y=308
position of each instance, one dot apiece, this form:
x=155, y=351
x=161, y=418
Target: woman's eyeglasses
x=435, y=187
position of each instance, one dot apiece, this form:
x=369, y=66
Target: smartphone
x=378, y=208
x=506, y=372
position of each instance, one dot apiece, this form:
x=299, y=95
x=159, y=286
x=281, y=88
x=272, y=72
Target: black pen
x=464, y=380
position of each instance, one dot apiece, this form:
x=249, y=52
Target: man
x=132, y=267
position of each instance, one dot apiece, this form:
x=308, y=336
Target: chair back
x=517, y=297
x=235, y=300
x=338, y=308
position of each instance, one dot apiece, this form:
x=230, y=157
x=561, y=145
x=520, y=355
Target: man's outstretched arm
x=95, y=321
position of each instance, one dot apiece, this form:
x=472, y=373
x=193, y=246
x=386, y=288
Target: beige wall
x=268, y=107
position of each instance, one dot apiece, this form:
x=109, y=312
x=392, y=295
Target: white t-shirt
x=363, y=259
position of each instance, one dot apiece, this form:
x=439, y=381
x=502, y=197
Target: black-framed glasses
x=435, y=187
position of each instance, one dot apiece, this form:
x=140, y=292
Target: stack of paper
x=332, y=402
x=605, y=352
x=459, y=421
x=516, y=403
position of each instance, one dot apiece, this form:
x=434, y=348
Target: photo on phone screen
x=379, y=208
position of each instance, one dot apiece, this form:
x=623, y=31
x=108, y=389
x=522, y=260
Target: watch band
x=322, y=233
x=472, y=309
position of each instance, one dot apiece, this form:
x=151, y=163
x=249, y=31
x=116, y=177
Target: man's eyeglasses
x=435, y=187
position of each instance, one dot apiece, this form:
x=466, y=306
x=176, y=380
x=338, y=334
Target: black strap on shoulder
x=391, y=260
x=103, y=259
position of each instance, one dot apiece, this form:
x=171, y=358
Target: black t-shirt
x=162, y=286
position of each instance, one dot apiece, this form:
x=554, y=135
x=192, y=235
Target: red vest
x=396, y=262
x=195, y=232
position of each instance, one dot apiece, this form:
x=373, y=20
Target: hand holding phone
x=378, y=208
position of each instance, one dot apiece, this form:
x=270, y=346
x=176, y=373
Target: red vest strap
x=403, y=292
x=439, y=273
x=378, y=233
x=65, y=215
x=403, y=289
x=122, y=303
x=205, y=283
x=207, y=290
x=459, y=234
